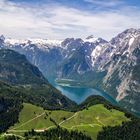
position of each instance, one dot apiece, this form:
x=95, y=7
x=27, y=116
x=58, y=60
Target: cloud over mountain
x=51, y=19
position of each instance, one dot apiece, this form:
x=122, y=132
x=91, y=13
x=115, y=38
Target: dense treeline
x=9, y=111
x=44, y=96
x=12, y=137
x=127, y=131
x=56, y=134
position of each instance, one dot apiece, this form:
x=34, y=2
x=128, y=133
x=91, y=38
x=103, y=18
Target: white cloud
x=105, y=3
x=57, y=21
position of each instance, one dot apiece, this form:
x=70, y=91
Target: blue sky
x=59, y=19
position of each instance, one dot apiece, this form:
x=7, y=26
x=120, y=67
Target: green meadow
x=90, y=121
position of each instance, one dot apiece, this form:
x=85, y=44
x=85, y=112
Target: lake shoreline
x=75, y=91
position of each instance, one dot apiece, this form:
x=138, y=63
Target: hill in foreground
x=20, y=81
x=90, y=121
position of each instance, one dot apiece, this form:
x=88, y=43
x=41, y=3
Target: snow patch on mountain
x=131, y=41
x=95, y=53
x=15, y=41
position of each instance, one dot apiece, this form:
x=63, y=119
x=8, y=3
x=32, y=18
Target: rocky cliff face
x=122, y=80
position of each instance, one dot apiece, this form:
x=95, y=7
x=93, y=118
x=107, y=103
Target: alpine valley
x=112, y=66
x=33, y=73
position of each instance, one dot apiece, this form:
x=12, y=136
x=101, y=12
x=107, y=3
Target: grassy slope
x=89, y=121
x=30, y=111
x=92, y=120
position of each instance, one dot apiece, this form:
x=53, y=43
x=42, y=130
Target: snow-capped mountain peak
x=15, y=41
x=46, y=41
x=124, y=42
x=95, y=40
x=127, y=35
x=33, y=41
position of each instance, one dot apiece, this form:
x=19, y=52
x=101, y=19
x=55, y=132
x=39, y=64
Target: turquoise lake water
x=79, y=94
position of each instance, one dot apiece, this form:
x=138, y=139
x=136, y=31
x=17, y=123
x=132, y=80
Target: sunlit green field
x=89, y=121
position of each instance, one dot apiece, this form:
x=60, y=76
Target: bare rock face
x=123, y=69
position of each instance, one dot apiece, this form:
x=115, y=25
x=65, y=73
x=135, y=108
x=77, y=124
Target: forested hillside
x=9, y=112
x=17, y=70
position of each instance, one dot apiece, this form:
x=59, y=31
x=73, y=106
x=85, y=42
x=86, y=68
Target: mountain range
x=112, y=66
